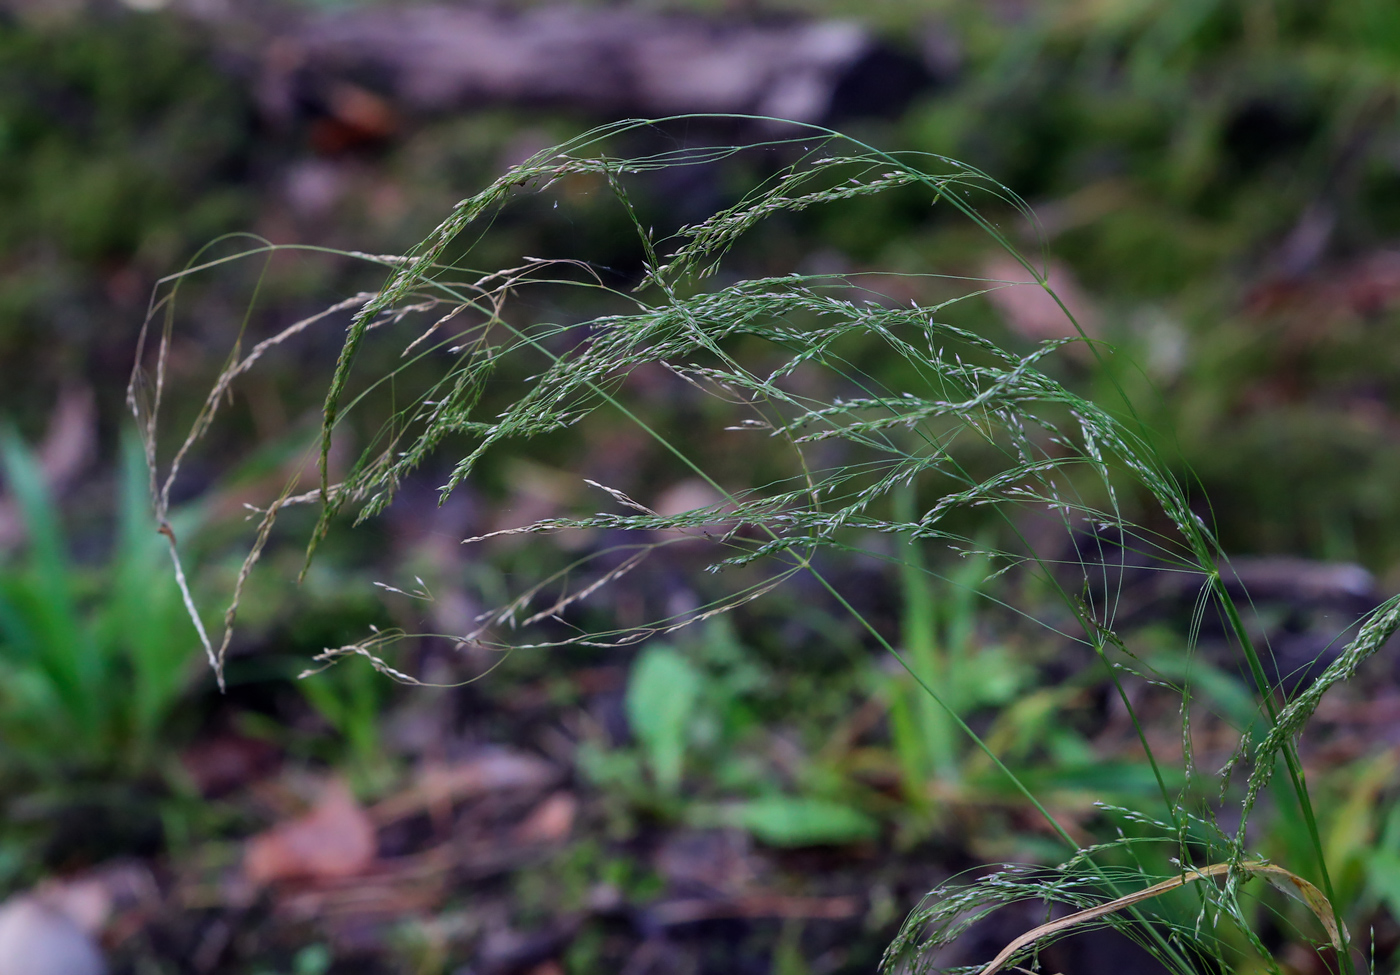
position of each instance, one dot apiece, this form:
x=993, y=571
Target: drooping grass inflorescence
x=869, y=415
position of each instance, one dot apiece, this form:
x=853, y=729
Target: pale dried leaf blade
x=1284, y=880
x=1315, y=899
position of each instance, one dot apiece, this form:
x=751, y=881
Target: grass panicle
x=980, y=434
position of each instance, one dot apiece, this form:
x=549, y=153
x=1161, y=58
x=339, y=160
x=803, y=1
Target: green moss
x=112, y=128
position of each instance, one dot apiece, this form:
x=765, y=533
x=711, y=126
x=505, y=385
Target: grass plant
x=93, y=661
x=872, y=422
x=692, y=712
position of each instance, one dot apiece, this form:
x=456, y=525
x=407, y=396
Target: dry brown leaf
x=442, y=785
x=551, y=821
x=335, y=839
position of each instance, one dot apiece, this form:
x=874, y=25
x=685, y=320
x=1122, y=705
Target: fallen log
x=367, y=66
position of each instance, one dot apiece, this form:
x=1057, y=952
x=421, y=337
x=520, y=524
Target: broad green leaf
x=661, y=698
x=1383, y=876
x=43, y=606
x=796, y=821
